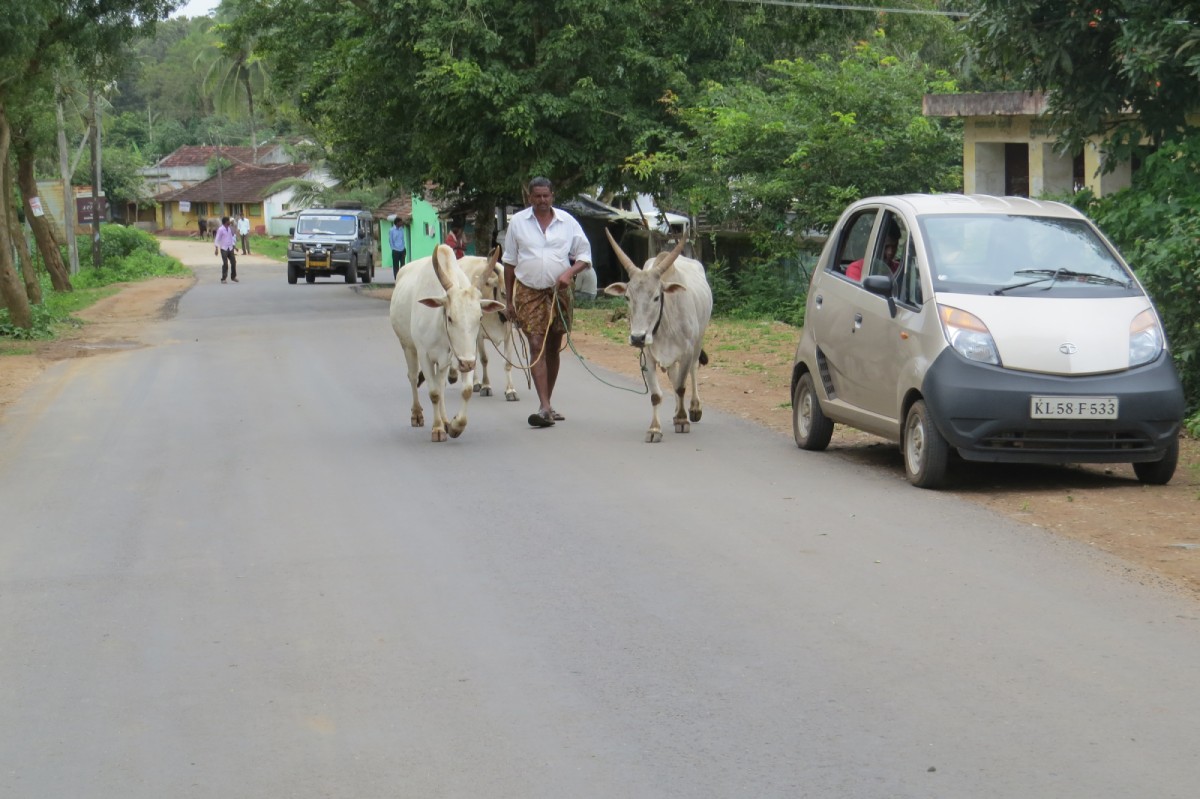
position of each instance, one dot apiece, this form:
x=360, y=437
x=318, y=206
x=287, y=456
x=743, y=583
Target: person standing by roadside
x=457, y=241
x=544, y=248
x=227, y=246
x=243, y=228
x=396, y=242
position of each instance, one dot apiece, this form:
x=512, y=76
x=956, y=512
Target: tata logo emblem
x=1068, y=348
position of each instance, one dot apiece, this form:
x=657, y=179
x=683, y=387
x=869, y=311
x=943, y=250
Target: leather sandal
x=540, y=419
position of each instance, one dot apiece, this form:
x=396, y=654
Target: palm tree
x=233, y=76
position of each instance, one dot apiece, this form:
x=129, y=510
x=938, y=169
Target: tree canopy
x=1099, y=61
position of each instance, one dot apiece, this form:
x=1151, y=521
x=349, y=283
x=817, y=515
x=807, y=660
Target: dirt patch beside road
x=1155, y=529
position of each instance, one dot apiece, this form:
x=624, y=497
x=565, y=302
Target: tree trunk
x=33, y=287
x=42, y=232
x=64, y=172
x=19, y=312
x=485, y=225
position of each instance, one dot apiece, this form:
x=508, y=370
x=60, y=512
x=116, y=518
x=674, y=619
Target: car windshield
x=326, y=223
x=1021, y=255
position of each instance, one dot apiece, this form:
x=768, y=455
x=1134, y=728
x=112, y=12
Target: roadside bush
x=1156, y=225
x=44, y=319
x=116, y=242
x=138, y=265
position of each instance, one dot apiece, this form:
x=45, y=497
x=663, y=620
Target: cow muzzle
x=466, y=365
x=638, y=340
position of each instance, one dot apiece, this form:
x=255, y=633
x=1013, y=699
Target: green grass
x=269, y=246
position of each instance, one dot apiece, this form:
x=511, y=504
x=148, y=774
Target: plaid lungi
x=536, y=307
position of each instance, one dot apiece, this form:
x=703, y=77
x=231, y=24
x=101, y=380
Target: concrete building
x=1009, y=148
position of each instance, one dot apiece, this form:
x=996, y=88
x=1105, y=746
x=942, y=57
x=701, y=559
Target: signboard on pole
x=83, y=205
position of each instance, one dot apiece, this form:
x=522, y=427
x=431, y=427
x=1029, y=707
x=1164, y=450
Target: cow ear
x=671, y=288
x=615, y=289
x=433, y=302
x=491, y=306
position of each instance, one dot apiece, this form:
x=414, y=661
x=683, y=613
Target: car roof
x=923, y=204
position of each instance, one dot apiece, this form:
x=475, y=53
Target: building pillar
x=1049, y=172
x=1104, y=183
x=987, y=176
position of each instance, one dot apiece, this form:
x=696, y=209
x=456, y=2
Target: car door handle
x=819, y=299
x=857, y=321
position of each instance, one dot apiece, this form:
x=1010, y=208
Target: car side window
x=908, y=278
x=855, y=237
x=890, y=240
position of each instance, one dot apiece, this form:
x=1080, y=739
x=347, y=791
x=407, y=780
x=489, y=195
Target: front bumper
x=984, y=412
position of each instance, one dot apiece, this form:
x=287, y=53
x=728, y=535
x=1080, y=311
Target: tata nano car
x=1000, y=328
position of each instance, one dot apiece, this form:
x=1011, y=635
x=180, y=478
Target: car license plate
x=1073, y=407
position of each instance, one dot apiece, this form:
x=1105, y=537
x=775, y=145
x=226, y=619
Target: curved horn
x=629, y=265
x=663, y=262
x=442, y=277
x=493, y=258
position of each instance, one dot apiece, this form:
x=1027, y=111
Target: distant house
x=188, y=165
x=244, y=188
x=419, y=218
x=1009, y=148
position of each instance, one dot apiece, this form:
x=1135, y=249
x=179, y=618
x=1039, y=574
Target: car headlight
x=1145, y=338
x=969, y=336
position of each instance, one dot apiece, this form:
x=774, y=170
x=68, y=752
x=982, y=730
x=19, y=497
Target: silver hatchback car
x=1002, y=328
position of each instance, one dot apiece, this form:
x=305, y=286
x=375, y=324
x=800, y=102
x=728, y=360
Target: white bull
x=495, y=327
x=436, y=313
x=670, y=304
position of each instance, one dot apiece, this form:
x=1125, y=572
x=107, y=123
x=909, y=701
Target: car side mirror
x=291, y=231
x=881, y=285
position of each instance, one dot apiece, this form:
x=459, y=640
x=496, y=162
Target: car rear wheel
x=811, y=428
x=292, y=274
x=926, y=451
x=1159, y=472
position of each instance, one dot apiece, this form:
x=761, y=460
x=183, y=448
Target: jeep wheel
x=292, y=274
x=310, y=278
x=369, y=272
x=352, y=271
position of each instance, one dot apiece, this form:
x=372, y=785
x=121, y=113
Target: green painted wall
x=422, y=235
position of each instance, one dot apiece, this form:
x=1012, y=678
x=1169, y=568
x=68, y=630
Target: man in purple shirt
x=227, y=245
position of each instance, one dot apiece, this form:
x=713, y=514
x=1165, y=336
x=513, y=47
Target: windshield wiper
x=1054, y=274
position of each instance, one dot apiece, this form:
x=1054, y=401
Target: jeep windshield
x=329, y=225
x=1022, y=256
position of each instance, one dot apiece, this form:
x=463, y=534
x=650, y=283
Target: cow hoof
x=653, y=436
x=418, y=421
x=681, y=426
x=485, y=391
x=452, y=378
x=695, y=415
x=511, y=396
x=438, y=436
x=475, y=387
x=456, y=430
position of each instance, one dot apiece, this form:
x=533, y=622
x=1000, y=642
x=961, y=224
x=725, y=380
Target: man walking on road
x=544, y=249
x=227, y=245
x=396, y=241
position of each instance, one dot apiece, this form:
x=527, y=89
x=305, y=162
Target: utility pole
x=68, y=193
x=97, y=258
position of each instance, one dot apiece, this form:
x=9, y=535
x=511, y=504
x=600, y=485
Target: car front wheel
x=292, y=274
x=1159, y=472
x=811, y=428
x=352, y=271
x=926, y=450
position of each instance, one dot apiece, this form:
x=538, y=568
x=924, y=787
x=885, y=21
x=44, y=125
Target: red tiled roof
x=199, y=155
x=239, y=184
x=399, y=206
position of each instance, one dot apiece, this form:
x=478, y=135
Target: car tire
x=310, y=278
x=1159, y=472
x=811, y=428
x=292, y=274
x=925, y=450
x=352, y=271
x=369, y=272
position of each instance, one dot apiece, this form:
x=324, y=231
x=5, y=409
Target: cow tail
x=703, y=358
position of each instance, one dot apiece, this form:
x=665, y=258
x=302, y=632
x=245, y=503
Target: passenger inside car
x=891, y=239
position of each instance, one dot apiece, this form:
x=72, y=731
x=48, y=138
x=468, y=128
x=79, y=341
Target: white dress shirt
x=540, y=257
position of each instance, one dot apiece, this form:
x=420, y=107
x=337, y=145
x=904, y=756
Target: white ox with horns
x=436, y=312
x=670, y=303
x=495, y=328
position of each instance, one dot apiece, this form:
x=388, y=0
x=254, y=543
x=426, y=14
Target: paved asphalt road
x=229, y=568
